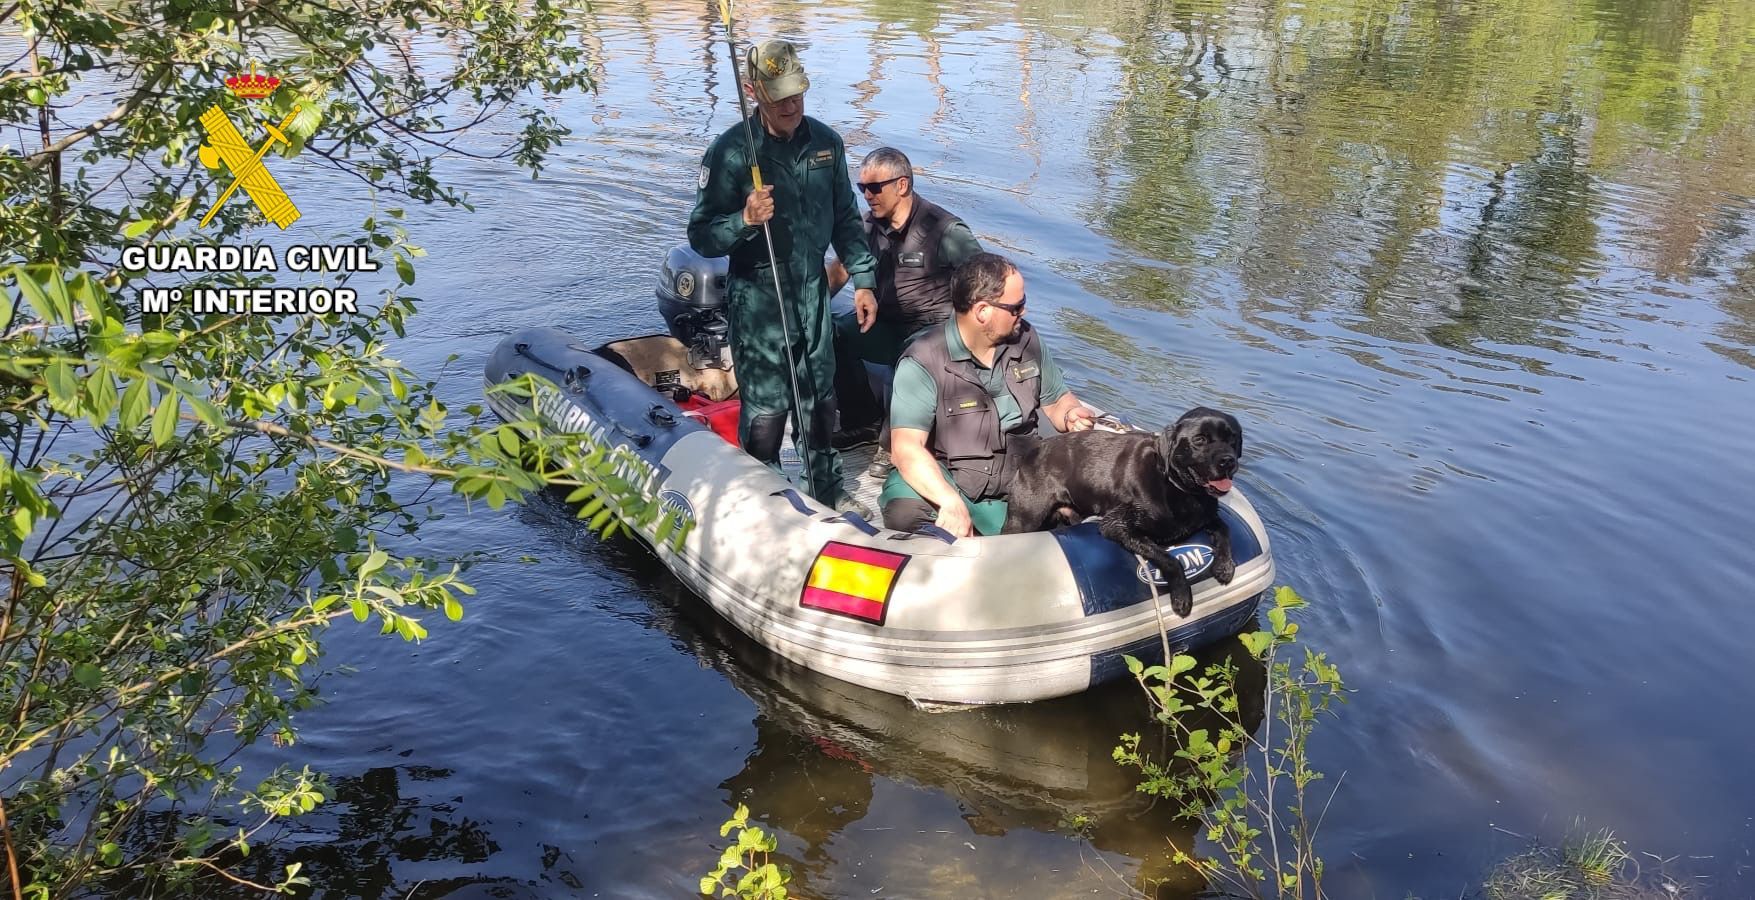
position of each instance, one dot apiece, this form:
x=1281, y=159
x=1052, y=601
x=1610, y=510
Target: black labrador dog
x=1149, y=489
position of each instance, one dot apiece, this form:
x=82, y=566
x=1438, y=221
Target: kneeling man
x=962, y=394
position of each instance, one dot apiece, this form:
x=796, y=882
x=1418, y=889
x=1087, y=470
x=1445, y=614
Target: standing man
x=917, y=244
x=807, y=203
x=964, y=393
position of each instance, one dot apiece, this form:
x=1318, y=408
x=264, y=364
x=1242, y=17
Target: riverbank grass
x=1595, y=866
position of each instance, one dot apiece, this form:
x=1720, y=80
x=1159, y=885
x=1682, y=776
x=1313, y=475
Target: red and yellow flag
x=853, y=581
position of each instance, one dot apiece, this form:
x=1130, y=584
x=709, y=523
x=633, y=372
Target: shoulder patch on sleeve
x=706, y=175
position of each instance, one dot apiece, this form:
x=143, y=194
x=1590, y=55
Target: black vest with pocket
x=914, y=284
x=965, y=423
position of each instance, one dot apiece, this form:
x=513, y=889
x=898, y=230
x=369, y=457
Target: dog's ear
x=1236, y=433
x=1165, y=443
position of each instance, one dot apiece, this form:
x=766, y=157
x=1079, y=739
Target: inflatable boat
x=976, y=620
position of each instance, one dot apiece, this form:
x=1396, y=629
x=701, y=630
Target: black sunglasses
x=872, y=187
x=1016, y=309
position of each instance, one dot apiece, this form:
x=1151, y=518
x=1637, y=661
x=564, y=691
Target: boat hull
x=1000, y=619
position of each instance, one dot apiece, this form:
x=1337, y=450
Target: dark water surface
x=1478, y=278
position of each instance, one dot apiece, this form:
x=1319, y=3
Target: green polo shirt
x=914, y=398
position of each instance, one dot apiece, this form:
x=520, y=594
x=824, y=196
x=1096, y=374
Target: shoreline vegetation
x=1589, y=866
x=192, y=499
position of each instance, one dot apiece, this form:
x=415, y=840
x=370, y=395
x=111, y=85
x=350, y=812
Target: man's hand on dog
x=1080, y=419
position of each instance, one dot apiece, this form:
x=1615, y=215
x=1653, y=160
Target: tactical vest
x=965, y=424
x=914, y=285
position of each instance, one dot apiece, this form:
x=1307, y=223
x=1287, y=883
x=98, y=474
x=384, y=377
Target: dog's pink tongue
x=1222, y=485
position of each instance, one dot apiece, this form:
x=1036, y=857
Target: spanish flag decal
x=852, y=581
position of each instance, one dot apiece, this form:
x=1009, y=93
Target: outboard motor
x=692, y=299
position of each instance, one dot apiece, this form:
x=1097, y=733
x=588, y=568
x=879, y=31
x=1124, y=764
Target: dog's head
x=1200, y=451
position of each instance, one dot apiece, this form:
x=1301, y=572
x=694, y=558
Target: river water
x=1477, y=277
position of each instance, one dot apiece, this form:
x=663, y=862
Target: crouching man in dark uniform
x=963, y=393
x=808, y=204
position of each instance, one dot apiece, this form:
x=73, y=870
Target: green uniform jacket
x=814, y=208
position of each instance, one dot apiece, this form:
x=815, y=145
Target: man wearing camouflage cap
x=807, y=201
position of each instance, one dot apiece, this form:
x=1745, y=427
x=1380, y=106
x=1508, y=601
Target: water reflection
x=382, y=825
x=1423, y=175
x=820, y=744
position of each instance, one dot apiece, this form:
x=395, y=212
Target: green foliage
x=761, y=879
x=1249, y=791
x=172, y=571
x=1597, y=856
x=190, y=501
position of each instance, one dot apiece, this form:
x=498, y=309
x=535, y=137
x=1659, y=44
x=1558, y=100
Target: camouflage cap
x=775, y=65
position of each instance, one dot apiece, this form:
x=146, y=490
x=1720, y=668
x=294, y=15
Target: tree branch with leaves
x=189, y=502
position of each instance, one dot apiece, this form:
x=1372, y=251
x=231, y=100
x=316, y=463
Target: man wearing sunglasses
x=917, y=245
x=964, y=393
x=807, y=203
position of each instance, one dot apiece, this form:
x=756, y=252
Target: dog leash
x=1163, y=629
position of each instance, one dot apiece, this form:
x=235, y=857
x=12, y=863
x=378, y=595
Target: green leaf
x=360, y=610
x=135, y=404
x=102, y=391
x=63, y=386
x=305, y=123
x=110, y=853
x=160, y=343
x=453, y=609
x=708, y=883
x=373, y=563
x=91, y=297
x=206, y=412
x=1180, y=663
x=34, y=293
x=57, y=290
x=164, y=419
x=404, y=269
x=88, y=675
x=138, y=228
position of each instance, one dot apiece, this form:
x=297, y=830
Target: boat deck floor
x=854, y=461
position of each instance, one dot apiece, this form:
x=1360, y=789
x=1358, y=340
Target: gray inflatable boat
x=985, y=619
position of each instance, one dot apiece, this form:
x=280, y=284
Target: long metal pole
x=799, y=426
